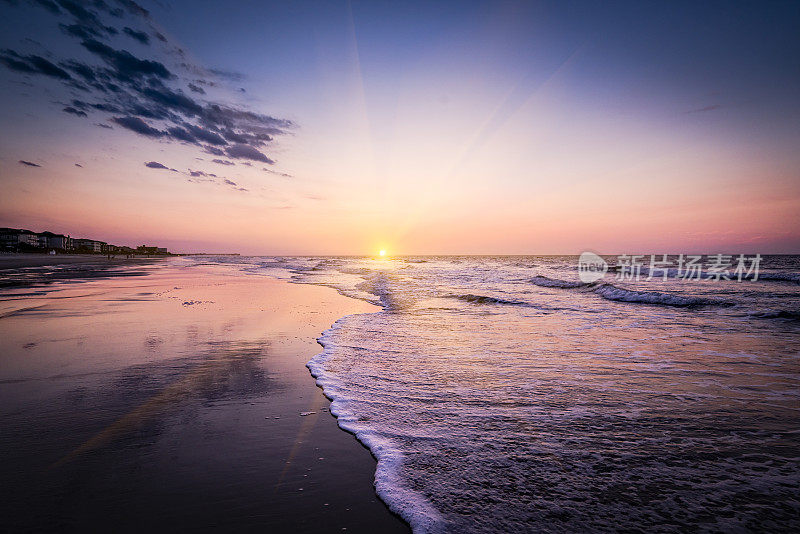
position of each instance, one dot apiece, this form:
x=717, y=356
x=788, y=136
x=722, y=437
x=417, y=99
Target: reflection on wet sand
x=226, y=371
x=173, y=401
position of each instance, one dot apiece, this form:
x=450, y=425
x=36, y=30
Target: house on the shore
x=88, y=245
x=20, y=240
x=144, y=249
x=15, y=238
x=55, y=241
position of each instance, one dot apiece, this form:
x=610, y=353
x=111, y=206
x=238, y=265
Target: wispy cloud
x=705, y=109
x=29, y=163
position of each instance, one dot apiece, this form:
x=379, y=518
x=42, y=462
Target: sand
x=17, y=261
x=172, y=399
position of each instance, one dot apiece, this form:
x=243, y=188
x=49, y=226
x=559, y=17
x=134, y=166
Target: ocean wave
x=412, y=506
x=792, y=315
x=780, y=277
x=483, y=299
x=544, y=281
x=618, y=294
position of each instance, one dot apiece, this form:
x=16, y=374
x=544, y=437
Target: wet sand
x=173, y=400
x=18, y=261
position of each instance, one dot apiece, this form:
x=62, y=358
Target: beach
x=163, y=395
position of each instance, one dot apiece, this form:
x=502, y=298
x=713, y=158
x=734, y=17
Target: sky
x=416, y=127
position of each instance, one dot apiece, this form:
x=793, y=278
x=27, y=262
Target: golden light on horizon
x=382, y=253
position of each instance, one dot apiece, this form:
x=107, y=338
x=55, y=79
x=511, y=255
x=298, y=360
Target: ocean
x=502, y=394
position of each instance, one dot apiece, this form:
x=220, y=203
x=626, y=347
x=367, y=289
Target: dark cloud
x=142, y=37
x=88, y=19
x=81, y=69
x=104, y=126
x=127, y=66
x=80, y=31
x=142, y=94
x=223, y=162
x=79, y=165
x=201, y=173
x=172, y=100
x=205, y=135
x=29, y=163
x=214, y=151
x=157, y=165
x=135, y=124
x=73, y=111
x=110, y=108
x=32, y=64
x=247, y=152
x=181, y=134
x=229, y=182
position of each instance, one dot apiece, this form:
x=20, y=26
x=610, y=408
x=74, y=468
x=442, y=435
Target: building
x=55, y=241
x=88, y=245
x=14, y=238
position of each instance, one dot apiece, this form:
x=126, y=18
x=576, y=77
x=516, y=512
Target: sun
x=382, y=253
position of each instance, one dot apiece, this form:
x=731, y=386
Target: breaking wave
x=483, y=299
x=544, y=281
x=612, y=292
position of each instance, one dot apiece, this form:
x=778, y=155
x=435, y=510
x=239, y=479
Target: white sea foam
x=544, y=281
x=612, y=292
x=413, y=507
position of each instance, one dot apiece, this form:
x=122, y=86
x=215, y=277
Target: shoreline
x=15, y=260
x=174, y=399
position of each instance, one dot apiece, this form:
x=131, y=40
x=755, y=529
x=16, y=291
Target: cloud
x=156, y=165
x=32, y=64
x=29, y=163
x=101, y=125
x=223, y=162
x=142, y=94
x=247, y=152
x=173, y=100
x=127, y=65
x=73, y=111
x=214, y=151
x=227, y=75
x=79, y=165
x=142, y=37
x=201, y=173
x=88, y=19
x=286, y=175
x=135, y=124
x=229, y=182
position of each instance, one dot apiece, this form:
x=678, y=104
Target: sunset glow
x=533, y=130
